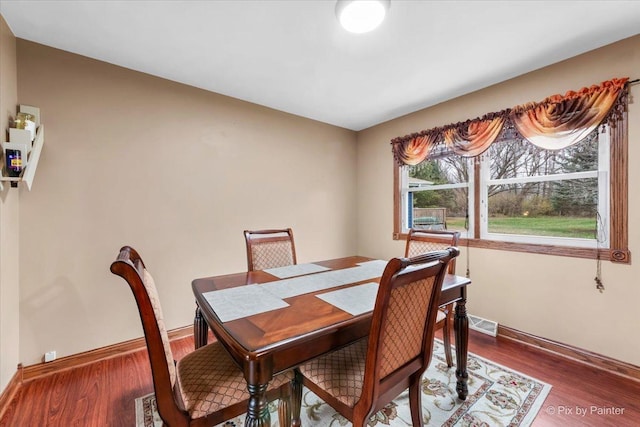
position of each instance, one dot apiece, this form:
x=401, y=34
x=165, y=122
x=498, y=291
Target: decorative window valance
x=555, y=123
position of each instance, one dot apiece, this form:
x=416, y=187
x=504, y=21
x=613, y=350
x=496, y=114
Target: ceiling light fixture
x=361, y=16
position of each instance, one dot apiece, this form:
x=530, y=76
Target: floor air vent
x=485, y=326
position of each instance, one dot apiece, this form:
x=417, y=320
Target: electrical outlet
x=49, y=356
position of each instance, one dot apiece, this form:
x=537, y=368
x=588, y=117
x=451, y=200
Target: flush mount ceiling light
x=361, y=16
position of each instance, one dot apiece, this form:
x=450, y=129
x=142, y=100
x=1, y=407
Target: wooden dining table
x=303, y=326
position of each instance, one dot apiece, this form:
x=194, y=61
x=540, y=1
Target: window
x=531, y=195
x=528, y=199
x=548, y=177
x=435, y=194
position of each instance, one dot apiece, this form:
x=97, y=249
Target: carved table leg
x=296, y=399
x=462, y=343
x=258, y=409
x=200, y=329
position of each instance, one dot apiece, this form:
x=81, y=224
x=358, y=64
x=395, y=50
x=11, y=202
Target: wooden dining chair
x=265, y=249
x=423, y=241
x=362, y=378
x=269, y=248
x=205, y=387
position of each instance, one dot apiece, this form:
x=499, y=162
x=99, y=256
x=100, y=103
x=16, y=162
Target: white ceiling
x=293, y=56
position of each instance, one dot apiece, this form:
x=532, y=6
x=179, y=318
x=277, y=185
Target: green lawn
x=541, y=226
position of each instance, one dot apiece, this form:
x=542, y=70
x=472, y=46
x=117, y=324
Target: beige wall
x=172, y=170
x=550, y=296
x=9, y=284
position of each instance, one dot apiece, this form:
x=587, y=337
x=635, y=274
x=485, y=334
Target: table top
x=306, y=319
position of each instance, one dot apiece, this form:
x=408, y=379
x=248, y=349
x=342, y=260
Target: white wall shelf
x=29, y=171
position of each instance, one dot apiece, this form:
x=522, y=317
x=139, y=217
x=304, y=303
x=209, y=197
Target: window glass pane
x=446, y=170
x=518, y=159
x=431, y=207
x=580, y=157
x=440, y=209
x=559, y=204
x=564, y=208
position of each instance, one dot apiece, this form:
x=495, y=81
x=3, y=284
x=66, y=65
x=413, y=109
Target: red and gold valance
x=555, y=123
x=413, y=150
x=473, y=137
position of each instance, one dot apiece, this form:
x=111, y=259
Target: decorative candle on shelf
x=23, y=130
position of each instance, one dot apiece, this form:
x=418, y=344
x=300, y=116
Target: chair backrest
x=131, y=268
x=403, y=324
x=423, y=241
x=269, y=248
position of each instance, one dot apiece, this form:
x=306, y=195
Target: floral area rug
x=498, y=396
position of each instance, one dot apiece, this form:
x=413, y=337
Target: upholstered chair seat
x=341, y=373
x=209, y=381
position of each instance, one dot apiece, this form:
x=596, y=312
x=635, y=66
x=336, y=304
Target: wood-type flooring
x=103, y=393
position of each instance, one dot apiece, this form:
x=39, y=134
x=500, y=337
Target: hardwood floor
x=103, y=393
x=575, y=386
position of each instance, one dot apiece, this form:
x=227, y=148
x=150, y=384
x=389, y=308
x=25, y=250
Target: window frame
x=617, y=219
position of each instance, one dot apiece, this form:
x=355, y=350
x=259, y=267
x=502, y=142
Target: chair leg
x=446, y=335
x=284, y=411
x=200, y=329
x=415, y=402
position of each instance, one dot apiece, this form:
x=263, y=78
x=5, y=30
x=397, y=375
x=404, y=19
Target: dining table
x=273, y=320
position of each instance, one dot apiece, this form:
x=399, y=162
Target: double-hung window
x=532, y=195
x=506, y=181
